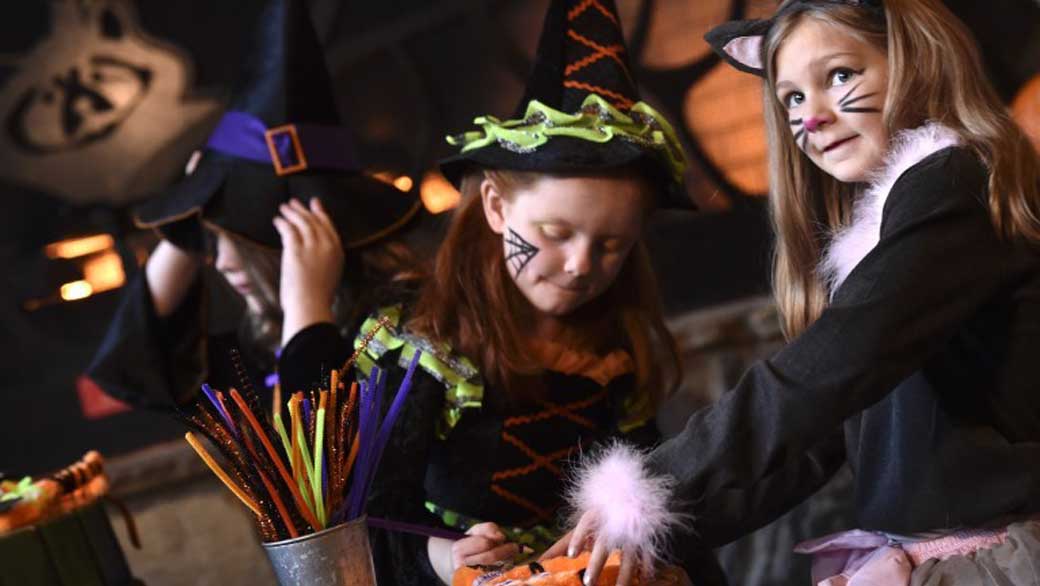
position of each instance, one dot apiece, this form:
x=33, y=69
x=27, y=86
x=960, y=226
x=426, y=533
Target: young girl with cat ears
x=906, y=205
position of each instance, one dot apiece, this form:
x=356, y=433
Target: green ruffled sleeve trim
x=596, y=121
x=637, y=411
x=463, y=383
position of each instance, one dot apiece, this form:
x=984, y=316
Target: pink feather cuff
x=631, y=505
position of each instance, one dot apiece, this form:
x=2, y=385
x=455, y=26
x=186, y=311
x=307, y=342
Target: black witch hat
x=581, y=110
x=281, y=138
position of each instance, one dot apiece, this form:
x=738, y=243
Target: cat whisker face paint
x=833, y=86
x=846, y=102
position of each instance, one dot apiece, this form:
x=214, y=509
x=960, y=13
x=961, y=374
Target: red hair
x=471, y=302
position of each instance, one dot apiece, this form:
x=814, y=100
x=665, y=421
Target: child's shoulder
x=385, y=341
x=930, y=169
x=386, y=330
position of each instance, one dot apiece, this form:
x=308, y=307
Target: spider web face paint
x=519, y=252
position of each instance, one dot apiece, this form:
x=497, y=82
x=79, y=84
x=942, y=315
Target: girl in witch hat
x=298, y=233
x=907, y=209
x=541, y=328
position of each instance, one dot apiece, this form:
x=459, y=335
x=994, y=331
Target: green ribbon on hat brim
x=596, y=121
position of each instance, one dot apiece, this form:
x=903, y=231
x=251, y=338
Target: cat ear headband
x=740, y=42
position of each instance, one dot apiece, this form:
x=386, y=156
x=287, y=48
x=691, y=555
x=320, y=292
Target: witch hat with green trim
x=281, y=138
x=581, y=110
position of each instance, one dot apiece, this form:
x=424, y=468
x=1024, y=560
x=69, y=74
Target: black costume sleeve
x=397, y=491
x=937, y=262
x=310, y=355
x=148, y=361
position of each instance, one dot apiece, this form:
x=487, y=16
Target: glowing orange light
x=438, y=194
x=75, y=247
x=1026, y=110
x=104, y=272
x=384, y=176
x=76, y=290
x=403, y=183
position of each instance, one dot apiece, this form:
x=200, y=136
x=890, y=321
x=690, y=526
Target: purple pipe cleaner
x=387, y=425
x=220, y=408
x=423, y=530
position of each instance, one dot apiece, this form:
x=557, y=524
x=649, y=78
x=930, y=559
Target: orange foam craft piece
x=559, y=571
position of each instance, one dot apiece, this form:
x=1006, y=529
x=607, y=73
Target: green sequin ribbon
x=596, y=121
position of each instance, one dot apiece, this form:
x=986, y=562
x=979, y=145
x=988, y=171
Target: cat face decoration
x=98, y=111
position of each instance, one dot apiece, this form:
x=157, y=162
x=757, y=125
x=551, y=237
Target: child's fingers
x=469, y=546
x=300, y=219
x=596, y=562
x=488, y=530
x=557, y=549
x=506, y=551
x=580, y=534
x=628, y=568
x=287, y=232
x=324, y=220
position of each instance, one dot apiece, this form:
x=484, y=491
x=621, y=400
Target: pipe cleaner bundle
x=310, y=470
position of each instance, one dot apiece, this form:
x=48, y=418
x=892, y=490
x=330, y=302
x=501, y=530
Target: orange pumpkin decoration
x=560, y=571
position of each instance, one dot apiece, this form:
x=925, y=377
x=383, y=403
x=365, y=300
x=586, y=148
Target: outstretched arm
x=937, y=262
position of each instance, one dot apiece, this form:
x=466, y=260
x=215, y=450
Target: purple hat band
x=290, y=148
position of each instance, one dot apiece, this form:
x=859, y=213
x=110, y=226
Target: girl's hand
x=579, y=539
x=485, y=544
x=312, y=265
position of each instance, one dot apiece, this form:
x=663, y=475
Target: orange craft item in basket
x=560, y=571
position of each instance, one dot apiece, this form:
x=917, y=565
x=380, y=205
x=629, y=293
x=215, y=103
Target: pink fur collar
x=852, y=243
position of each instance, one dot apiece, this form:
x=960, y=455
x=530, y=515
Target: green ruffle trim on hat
x=464, y=385
x=596, y=121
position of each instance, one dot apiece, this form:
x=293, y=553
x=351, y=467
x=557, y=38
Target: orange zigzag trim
x=620, y=101
x=583, y=63
x=525, y=470
x=566, y=411
x=585, y=4
x=533, y=455
x=611, y=51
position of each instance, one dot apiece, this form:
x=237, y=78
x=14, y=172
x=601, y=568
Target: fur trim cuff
x=631, y=506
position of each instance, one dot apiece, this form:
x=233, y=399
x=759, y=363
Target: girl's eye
x=554, y=232
x=841, y=76
x=793, y=99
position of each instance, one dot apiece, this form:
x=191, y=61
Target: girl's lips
x=838, y=143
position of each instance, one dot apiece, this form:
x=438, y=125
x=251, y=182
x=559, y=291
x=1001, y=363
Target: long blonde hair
x=935, y=73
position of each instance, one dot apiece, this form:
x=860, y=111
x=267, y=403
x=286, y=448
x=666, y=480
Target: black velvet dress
x=462, y=454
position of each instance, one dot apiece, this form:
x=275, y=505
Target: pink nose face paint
x=813, y=124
